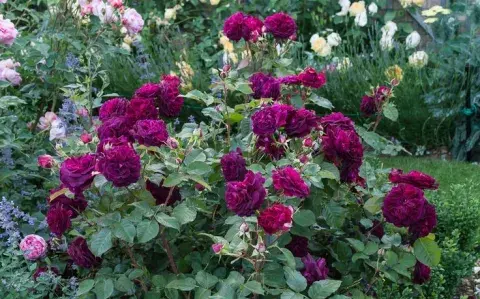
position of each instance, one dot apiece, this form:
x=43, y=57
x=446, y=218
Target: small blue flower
x=71, y=61
x=191, y=119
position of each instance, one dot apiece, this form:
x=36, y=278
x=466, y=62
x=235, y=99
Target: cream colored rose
x=320, y=45
x=361, y=19
x=170, y=14
x=373, y=8
x=418, y=59
x=413, y=40
x=357, y=8
x=345, y=4
x=214, y=2
x=334, y=39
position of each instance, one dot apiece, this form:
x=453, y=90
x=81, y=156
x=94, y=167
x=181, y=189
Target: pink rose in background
x=58, y=130
x=8, y=71
x=217, y=247
x=8, y=33
x=116, y=3
x=132, y=20
x=86, y=138
x=46, y=121
x=83, y=112
x=45, y=161
x=9, y=64
x=3, y=1
x=33, y=247
x=105, y=12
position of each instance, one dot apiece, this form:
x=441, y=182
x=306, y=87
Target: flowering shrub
x=264, y=198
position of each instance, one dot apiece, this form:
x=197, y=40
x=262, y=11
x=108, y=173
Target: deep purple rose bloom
x=110, y=142
x=404, y=205
x=290, y=80
x=264, y=86
x=270, y=118
x=150, y=132
x=76, y=172
x=113, y=108
x=310, y=78
x=246, y=196
x=41, y=270
x=161, y=193
x=277, y=218
x=252, y=28
x=382, y=93
x=148, y=90
x=234, y=166
x=337, y=120
x=116, y=127
x=281, y=25
x=169, y=102
x=426, y=224
x=414, y=177
x=270, y=147
x=298, y=246
x=58, y=219
x=142, y=108
x=76, y=205
x=120, y=165
x=233, y=26
x=368, y=106
x=81, y=255
x=314, y=270
x=377, y=229
x=288, y=181
x=301, y=122
x=421, y=274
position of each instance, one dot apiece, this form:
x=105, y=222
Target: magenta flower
x=301, y=122
x=33, y=247
x=281, y=25
x=150, y=132
x=269, y=119
x=426, y=224
x=368, y=106
x=234, y=166
x=264, y=86
x=421, y=274
x=148, y=90
x=81, y=255
x=76, y=173
x=76, y=205
x=45, y=161
x=116, y=127
x=86, y=138
x=245, y=197
x=337, y=120
x=314, y=270
x=252, y=28
x=290, y=80
x=414, y=177
x=58, y=219
x=310, y=78
x=276, y=219
x=142, y=108
x=113, y=108
x=233, y=26
x=170, y=102
x=120, y=165
x=161, y=193
x=270, y=147
x=404, y=205
x=298, y=246
x=289, y=182
x=217, y=248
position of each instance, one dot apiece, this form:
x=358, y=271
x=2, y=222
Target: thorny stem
x=135, y=265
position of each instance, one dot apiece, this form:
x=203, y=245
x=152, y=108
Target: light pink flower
x=8, y=33
x=3, y=1
x=133, y=21
x=46, y=121
x=217, y=247
x=8, y=63
x=58, y=130
x=116, y=3
x=11, y=76
x=105, y=12
x=33, y=247
x=82, y=112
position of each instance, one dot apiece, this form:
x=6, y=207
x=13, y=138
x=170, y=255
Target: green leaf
x=174, y=179
x=389, y=15
x=184, y=213
x=201, y=293
x=125, y=230
x=198, y=168
x=101, y=242
x=373, y=205
x=147, y=230
x=391, y=258
x=334, y=214
x=322, y=102
x=85, y=286
x=304, y=218
x=289, y=259
x=323, y=288
x=168, y=221
x=427, y=251
x=194, y=156
x=9, y=101
x=291, y=295
x=234, y=117
x=244, y=88
x=295, y=279
x=206, y=280
x=390, y=111
x=255, y=287
x=358, y=245
x=186, y=284
x=123, y=284
x=104, y=289
x=370, y=248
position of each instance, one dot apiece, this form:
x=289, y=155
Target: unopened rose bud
x=86, y=138
x=304, y=159
x=282, y=139
x=198, y=132
x=260, y=247
x=82, y=112
x=45, y=161
x=178, y=160
x=199, y=187
x=226, y=68
x=217, y=248
x=307, y=142
x=172, y=143
x=244, y=228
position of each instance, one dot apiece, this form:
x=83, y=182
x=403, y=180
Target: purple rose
x=270, y=147
x=301, y=122
x=337, y=120
x=290, y=80
x=414, y=177
x=314, y=270
x=277, y=218
x=120, y=165
x=245, y=197
x=142, y=108
x=76, y=205
x=150, y=132
x=170, y=102
x=281, y=25
x=310, y=78
x=264, y=86
x=404, y=205
x=298, y=246
x=234, y=166
x=421, y=274
x=58, y=219
x=270, y=118
x=368, y=106
x=76, y=173
x=252, y=28
x=113, y=108
x=161, y=193
x=426, y=224
x=110, y=142
x=148, y=90
x=81, y=255
x=289, y=182
x=116, y=127
x=233, y=26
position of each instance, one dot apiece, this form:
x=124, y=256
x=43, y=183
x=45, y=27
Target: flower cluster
x=323, y=46
x=165, y=95
x=33, y=247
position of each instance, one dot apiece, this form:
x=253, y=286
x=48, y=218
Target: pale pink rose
x=3, y=1
x=33, y=247
x=105, y=12
x=46, y=121
x=45, y=161
x=8, y=33
x=83, y=112
x=116, y=3
x=11, y=76
x=133, y=21
x=8, y=63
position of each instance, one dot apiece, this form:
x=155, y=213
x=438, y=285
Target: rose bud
x=82, y=112
x=86, y=138
x=307, y=142
x=217, y=248
x=199, y=187
x=304, y=159
x=45, y=161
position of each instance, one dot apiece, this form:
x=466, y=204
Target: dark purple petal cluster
x=239, y=26
x=150, y=132
x=81, y=255
x=265, y=86
x=245, y=197
x=234, y=166
x=289, y=182
x=162, y=194
x=76, y=173
x=120, y=165
x=314, y=270
x=415, y=178
x=276, y=219
x=281, y=26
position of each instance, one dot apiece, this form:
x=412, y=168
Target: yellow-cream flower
x=320, y=45
x=214, y=2
x=357, y=8
x=394, y=72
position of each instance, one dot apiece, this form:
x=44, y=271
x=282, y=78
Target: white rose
x=413, y=40
x=334, y=39
x=357, y=8
x=389, y=29
x=373, y=8
x=214, y=2
x=320, y=45
x=57, y=130
x=345, y=4
x=386, y=43
x=361, y=19
x=418, y=59
x=170, y=14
